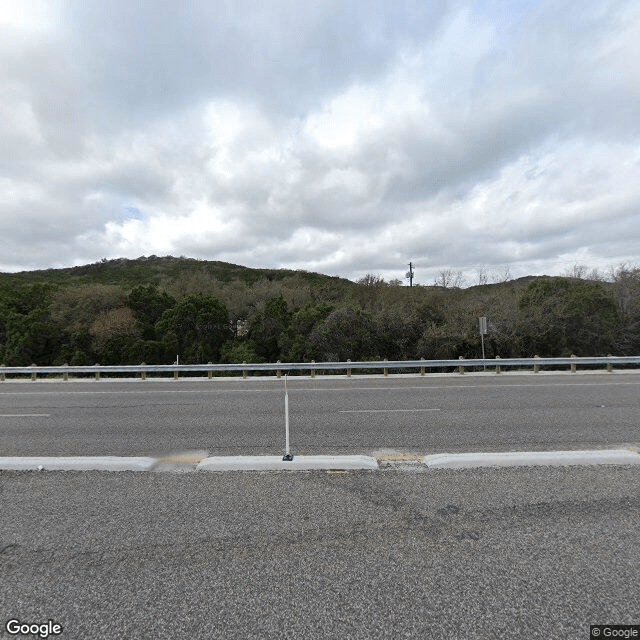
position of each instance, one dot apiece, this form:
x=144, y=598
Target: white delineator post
x=287, y=454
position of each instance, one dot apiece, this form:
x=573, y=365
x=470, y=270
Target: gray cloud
x=345, y=138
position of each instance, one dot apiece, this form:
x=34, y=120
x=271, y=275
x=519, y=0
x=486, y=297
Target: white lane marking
x=25, y=415
x=475, y=386
x=292, y=388
x=385, y=410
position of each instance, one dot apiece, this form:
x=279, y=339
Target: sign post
x=483, y=331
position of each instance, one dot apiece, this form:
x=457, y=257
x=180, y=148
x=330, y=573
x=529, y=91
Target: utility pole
x=410, y=274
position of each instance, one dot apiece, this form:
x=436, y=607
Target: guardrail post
x=386, y=371
x=536, y=365
x=97, y=376
x=210, y=373
x=313, y=369
x=34, y=375
x=278, y=371
x=349, y=369
x=609, y=364
x=244, y=373
x=3, y=377
x=65, y=375
x=497, y=365
x=176, y=375
x=573, y=364
x=461, y=368
x=422, y=368
x=143, y=374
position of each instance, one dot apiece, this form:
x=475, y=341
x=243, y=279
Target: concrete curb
x=77, y=463
x=531, y=458
x=276, y=463
x=321, y=462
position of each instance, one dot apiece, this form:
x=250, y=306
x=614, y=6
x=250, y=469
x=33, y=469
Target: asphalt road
x=403, y=552
x=431, y=414
x=488, y=553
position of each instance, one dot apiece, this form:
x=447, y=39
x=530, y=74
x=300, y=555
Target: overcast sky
x=344, y=137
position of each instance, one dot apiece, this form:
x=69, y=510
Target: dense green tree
x=117, y=350
x=148, y=304
x=267, y=326
x=195, y=328
x=347, y=333
x=295, y=342
x=30, y=339
x=397, y=333
x=28, y=335
x=625, y=288
x=121, y=312
x=74, y=308
x=565, y=316
x=239, y=351
x=149, y=352
x=75, y=348
x=112, y=324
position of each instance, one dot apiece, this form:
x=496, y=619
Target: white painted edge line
x=76, y=463
x=531, y=458
x=276, y=463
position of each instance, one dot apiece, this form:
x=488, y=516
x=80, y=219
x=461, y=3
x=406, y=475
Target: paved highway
x=357, y=415
x=403, y=552
x=488, y=553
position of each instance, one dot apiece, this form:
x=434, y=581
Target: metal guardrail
x=458, y=365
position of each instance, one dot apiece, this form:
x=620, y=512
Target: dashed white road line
x=25, y=415
x=386, y=410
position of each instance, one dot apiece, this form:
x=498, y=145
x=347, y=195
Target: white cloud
x=347, y=139
x=27, y=15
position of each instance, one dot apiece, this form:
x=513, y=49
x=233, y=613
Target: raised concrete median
x=76, y=463
x=531, y=458
x=276, y=463
x=198, y=462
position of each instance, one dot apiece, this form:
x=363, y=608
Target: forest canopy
x=154, y=309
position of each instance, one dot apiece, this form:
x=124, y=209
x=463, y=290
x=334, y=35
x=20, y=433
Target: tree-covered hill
x=154, y=270
x=152, y=309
